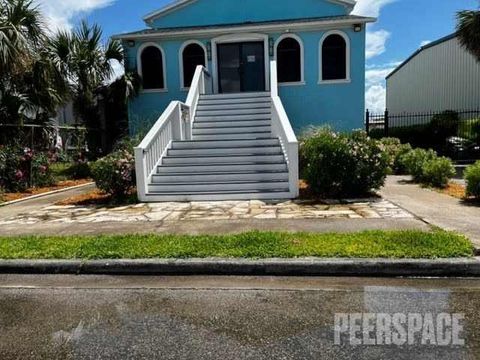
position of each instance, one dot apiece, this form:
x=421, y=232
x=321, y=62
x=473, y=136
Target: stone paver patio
x=221, y=210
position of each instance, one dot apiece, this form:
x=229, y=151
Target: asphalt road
x=81, y=317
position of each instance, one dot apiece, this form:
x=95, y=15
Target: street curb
x=461, y=267
x=45, y=194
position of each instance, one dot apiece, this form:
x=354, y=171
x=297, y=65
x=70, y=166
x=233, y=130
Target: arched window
x=289, y=57
x=335, y=58
x=193, y=55
x=152, y=68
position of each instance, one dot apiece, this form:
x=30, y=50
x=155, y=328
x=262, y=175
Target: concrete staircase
x=232, y=154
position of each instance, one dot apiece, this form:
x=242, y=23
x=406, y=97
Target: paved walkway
x=210, y=211
x=41, y=216
x=437, y=209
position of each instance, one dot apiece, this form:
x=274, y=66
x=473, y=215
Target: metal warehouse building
x=439, y=76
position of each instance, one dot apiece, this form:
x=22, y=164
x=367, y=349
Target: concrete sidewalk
x=434, y=208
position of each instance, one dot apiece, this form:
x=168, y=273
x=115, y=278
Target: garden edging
x=45, y=194
x=458, y=267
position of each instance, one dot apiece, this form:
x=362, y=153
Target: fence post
x=367, y=122
x=387, y=123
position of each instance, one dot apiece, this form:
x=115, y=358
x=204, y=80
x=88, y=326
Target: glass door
x=241, y=67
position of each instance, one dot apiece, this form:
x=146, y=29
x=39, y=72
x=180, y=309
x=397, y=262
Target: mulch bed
x=97, y=198
x=41, y=190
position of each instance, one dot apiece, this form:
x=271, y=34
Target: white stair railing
x=282, y=129
x=175, y=124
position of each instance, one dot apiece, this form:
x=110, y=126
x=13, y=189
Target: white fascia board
x=278, y=27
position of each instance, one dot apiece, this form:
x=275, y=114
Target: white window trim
x=302, y=59
x=320, y=58
x=234, y=38
x=180, y=59
x=164, y=65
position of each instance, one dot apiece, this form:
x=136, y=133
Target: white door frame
x=238, y=38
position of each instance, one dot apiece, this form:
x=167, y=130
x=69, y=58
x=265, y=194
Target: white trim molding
x=348, y=58
x=302, y=58
x=301, y=25
x=238, y=38
x=164, y=66
x=180, y=60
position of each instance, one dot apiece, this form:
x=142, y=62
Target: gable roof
x=423, y=48
x=270, y=25
x=178, y=4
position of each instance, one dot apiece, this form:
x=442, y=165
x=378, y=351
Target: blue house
x=228, y=83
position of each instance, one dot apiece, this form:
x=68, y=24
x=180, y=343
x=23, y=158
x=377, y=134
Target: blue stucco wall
x=207, y=12
x=339, y=105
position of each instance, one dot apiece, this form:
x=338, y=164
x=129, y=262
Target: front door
x=241, y=67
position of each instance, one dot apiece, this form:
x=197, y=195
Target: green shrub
x=115, y=173
x=340, y=165
x=394, y=149
x=472, y=177
x=41, y=172
x=414, y=162
x=438, y=172
x=469, y=129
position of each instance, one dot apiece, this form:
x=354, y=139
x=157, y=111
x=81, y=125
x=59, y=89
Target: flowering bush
x=115, y=173
x=394, y=149
x=437, y=172
x=340, y=165
x=21, y=168
x=414, y=162
x=472, y=176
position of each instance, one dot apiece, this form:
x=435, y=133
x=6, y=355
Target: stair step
x=253, y=100
x=243, y=136
x=235, y=95
x=231, y=129
x=232, y=167
x=219, y=107
x=276, y=149
x=236, y=123
x=219, y=186
x=220, y=117
x=219, y=159
x=222, y=112
x=218, y=196
x=220, y=176
x=216, y=144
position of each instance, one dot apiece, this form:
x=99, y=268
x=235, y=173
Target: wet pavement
x=103, y=317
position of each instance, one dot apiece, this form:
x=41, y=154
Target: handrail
x=173, y=125
x=282, y=128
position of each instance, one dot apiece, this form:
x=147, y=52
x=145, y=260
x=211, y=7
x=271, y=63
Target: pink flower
x=19, y=175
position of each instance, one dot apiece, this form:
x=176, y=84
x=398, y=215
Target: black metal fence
x=69, y=139
x=455, y=134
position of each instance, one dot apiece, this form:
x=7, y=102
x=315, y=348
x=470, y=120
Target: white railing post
x=141, y=173
x=273, y=78
x=282, y=129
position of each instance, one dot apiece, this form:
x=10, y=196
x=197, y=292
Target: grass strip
x=258, y=245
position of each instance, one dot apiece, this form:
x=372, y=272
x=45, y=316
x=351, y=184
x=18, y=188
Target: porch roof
x=305, y=24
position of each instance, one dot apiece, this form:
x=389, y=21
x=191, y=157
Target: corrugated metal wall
x=442, y=77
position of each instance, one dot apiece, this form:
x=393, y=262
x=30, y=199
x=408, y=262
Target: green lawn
x=379, y=244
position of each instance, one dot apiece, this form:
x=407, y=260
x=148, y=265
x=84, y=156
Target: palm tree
x=32, y=85
x=88, y=65
x=468, y=30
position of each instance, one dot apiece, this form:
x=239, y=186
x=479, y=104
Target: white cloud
x=375, y=89
x=376, y=43
x=375, y=98
x=425, y=42
x=370, y=7
x=60, y=13
x=376, y=40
